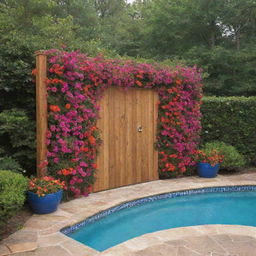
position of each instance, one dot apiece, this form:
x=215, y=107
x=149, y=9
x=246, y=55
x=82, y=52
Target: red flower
x=178, y=82
x=67, y=106
x=92, y=140
x=84, y=149
x=94, y=165
x=138, y=83
x=57, y=69
x=34, y=72
x=54, y=108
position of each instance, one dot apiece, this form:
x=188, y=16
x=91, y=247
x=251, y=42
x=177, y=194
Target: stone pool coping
x=41, y=233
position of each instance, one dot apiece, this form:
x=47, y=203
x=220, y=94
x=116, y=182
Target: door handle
x=139, y=129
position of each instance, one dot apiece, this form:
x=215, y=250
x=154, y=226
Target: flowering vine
x=76, y=82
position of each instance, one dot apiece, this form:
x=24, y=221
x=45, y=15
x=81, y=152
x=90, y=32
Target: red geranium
x=45, y=185
x=211, y=157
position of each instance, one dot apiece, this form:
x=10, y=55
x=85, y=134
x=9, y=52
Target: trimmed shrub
x=12, y=193
x=232, y=158
x=231, y=120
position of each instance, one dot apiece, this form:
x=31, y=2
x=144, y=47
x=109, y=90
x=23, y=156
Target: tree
x=25, y=27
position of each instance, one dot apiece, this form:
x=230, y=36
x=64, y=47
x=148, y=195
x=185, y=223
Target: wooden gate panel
x=127, y=156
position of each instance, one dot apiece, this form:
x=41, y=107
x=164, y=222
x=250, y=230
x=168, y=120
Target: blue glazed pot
x=46, y=204
x=205, y=170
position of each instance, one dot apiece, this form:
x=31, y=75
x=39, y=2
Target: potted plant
x=208, y=163
x=44, y=194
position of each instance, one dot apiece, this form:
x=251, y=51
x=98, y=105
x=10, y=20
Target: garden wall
x=231, y=120
x=74, y=85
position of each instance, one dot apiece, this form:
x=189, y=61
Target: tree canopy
x=218, y=36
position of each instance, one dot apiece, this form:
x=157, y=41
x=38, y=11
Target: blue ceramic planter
x=205, y=170
x=46, y=204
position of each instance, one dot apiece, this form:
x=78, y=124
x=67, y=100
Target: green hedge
x=231, y=120
x=12, y=194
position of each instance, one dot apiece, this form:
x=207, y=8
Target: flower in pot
x=208, y=163
x=44, y=194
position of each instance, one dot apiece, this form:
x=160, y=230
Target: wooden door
x=128, y=129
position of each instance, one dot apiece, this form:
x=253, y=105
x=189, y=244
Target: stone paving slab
x=41, y=236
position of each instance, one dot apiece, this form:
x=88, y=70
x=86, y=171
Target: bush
x=17, y=136
x=231, y=120
x=8, y=163
x=12, y=193
x=232, y=158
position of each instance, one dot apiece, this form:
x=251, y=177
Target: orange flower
x=92, y=140
x=84, y=149
x=57, y=69
x=138, y=83
x=67, y=106
x=93, y=128
x=54, y=108
x=56, y=81
x=34, y=72
x=66, y=172
x=87, y=87
x=170, y=167
x=178, y=82
x=94, y=165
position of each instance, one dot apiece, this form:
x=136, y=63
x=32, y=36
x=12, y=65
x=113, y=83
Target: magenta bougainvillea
x=76, y=82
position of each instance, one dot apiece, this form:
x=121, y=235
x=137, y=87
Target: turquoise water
x=211, y=208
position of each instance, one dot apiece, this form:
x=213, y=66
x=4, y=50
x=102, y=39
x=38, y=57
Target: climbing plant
x=75, y=84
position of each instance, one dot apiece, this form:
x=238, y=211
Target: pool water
x=236, y=208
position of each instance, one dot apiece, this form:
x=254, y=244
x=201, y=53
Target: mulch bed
x=238, y=171
x=16, y=222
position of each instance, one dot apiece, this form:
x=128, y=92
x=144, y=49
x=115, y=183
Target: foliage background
x=231, y=120
x=219, y=36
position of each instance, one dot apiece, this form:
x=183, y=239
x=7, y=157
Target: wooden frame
x=41, y=112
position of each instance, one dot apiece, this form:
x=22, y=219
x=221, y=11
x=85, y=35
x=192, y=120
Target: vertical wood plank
x=134, y=149
x=155, y=174
x=112, y=138
x=118, y=98
x=129, y=137
x=147, y=123
x=139, y=135
x=41, y=111
x=150, y=120
x=122, y=134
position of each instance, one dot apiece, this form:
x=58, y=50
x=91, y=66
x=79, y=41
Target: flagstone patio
x=40, y=234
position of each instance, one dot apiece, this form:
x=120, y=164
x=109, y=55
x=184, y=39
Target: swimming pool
x=221, y=205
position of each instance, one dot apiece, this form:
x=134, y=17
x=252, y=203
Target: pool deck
x=40, y=235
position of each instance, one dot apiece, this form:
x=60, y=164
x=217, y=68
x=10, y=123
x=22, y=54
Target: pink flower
x=56, y=160
x=54, y=89
x=83, y=164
